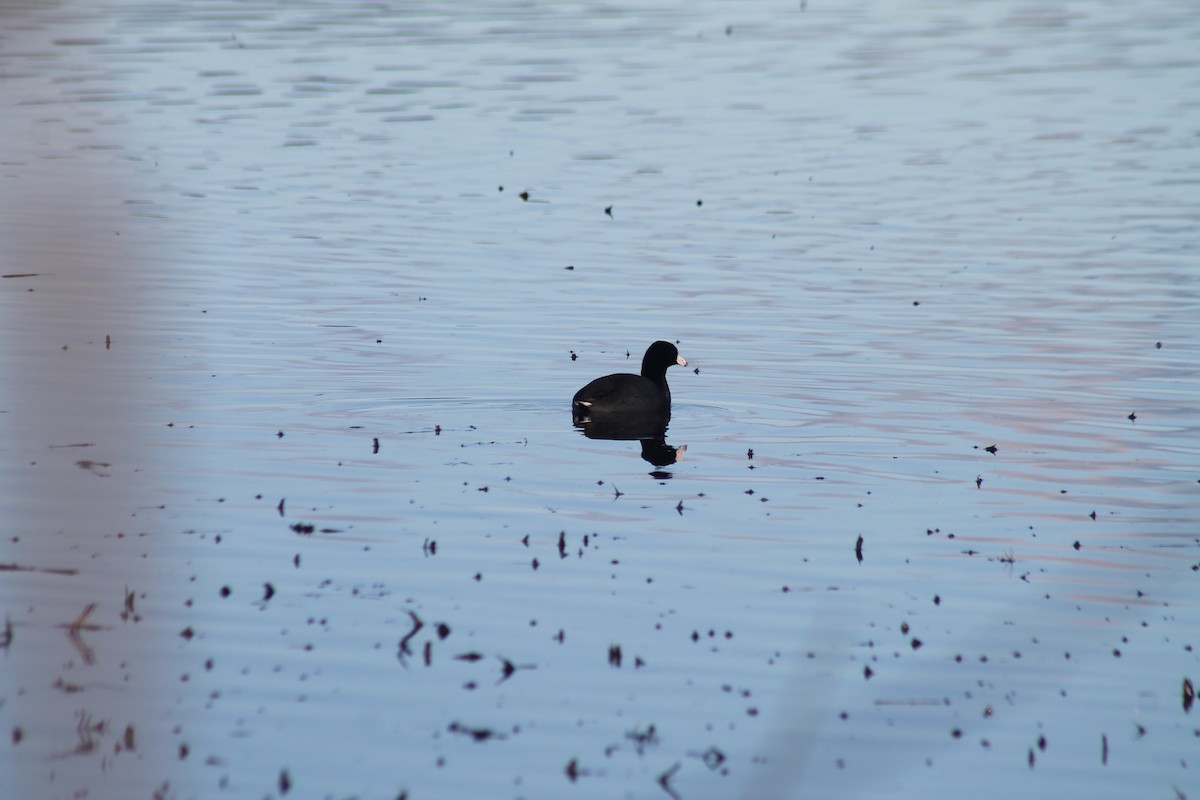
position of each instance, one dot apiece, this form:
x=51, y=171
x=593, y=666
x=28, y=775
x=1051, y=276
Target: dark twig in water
x=404, y=651
x=664, y=780
x=80, y=622
x=478, y=734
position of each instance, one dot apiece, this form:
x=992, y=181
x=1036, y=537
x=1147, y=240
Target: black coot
x=630, y=402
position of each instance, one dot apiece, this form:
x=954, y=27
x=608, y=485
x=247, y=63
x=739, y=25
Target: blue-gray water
x=276, y=314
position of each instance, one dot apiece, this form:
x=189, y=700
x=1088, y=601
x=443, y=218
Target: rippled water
x=295, y=297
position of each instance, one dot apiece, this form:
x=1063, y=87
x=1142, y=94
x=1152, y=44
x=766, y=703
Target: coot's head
x=659, y=356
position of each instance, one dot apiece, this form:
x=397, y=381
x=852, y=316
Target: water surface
x=295, y=298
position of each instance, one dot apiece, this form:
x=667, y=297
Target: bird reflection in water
x=653, y=438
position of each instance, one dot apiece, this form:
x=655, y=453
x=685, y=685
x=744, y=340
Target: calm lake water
x=295, y=297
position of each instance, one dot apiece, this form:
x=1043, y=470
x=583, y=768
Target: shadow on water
x=651, y=432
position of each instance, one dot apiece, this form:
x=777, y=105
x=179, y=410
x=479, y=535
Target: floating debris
x=404, y=640
x=664, y=780
x=478, y=734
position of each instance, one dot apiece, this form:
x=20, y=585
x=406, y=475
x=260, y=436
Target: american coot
x=630, y=406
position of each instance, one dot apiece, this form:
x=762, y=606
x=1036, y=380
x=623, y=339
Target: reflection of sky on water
x=887, y=236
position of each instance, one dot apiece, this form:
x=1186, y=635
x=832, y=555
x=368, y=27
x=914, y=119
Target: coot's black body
x=624, y=405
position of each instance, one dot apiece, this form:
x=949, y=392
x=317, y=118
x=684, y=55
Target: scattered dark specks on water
x=1076, y=545
x=501, y=188
x=285, y=782
x=187, y=633
x=573, y=356
x=699, y=203
x=1189, y=695
x=279, y=434
x=916, y=302
x=608, y=211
